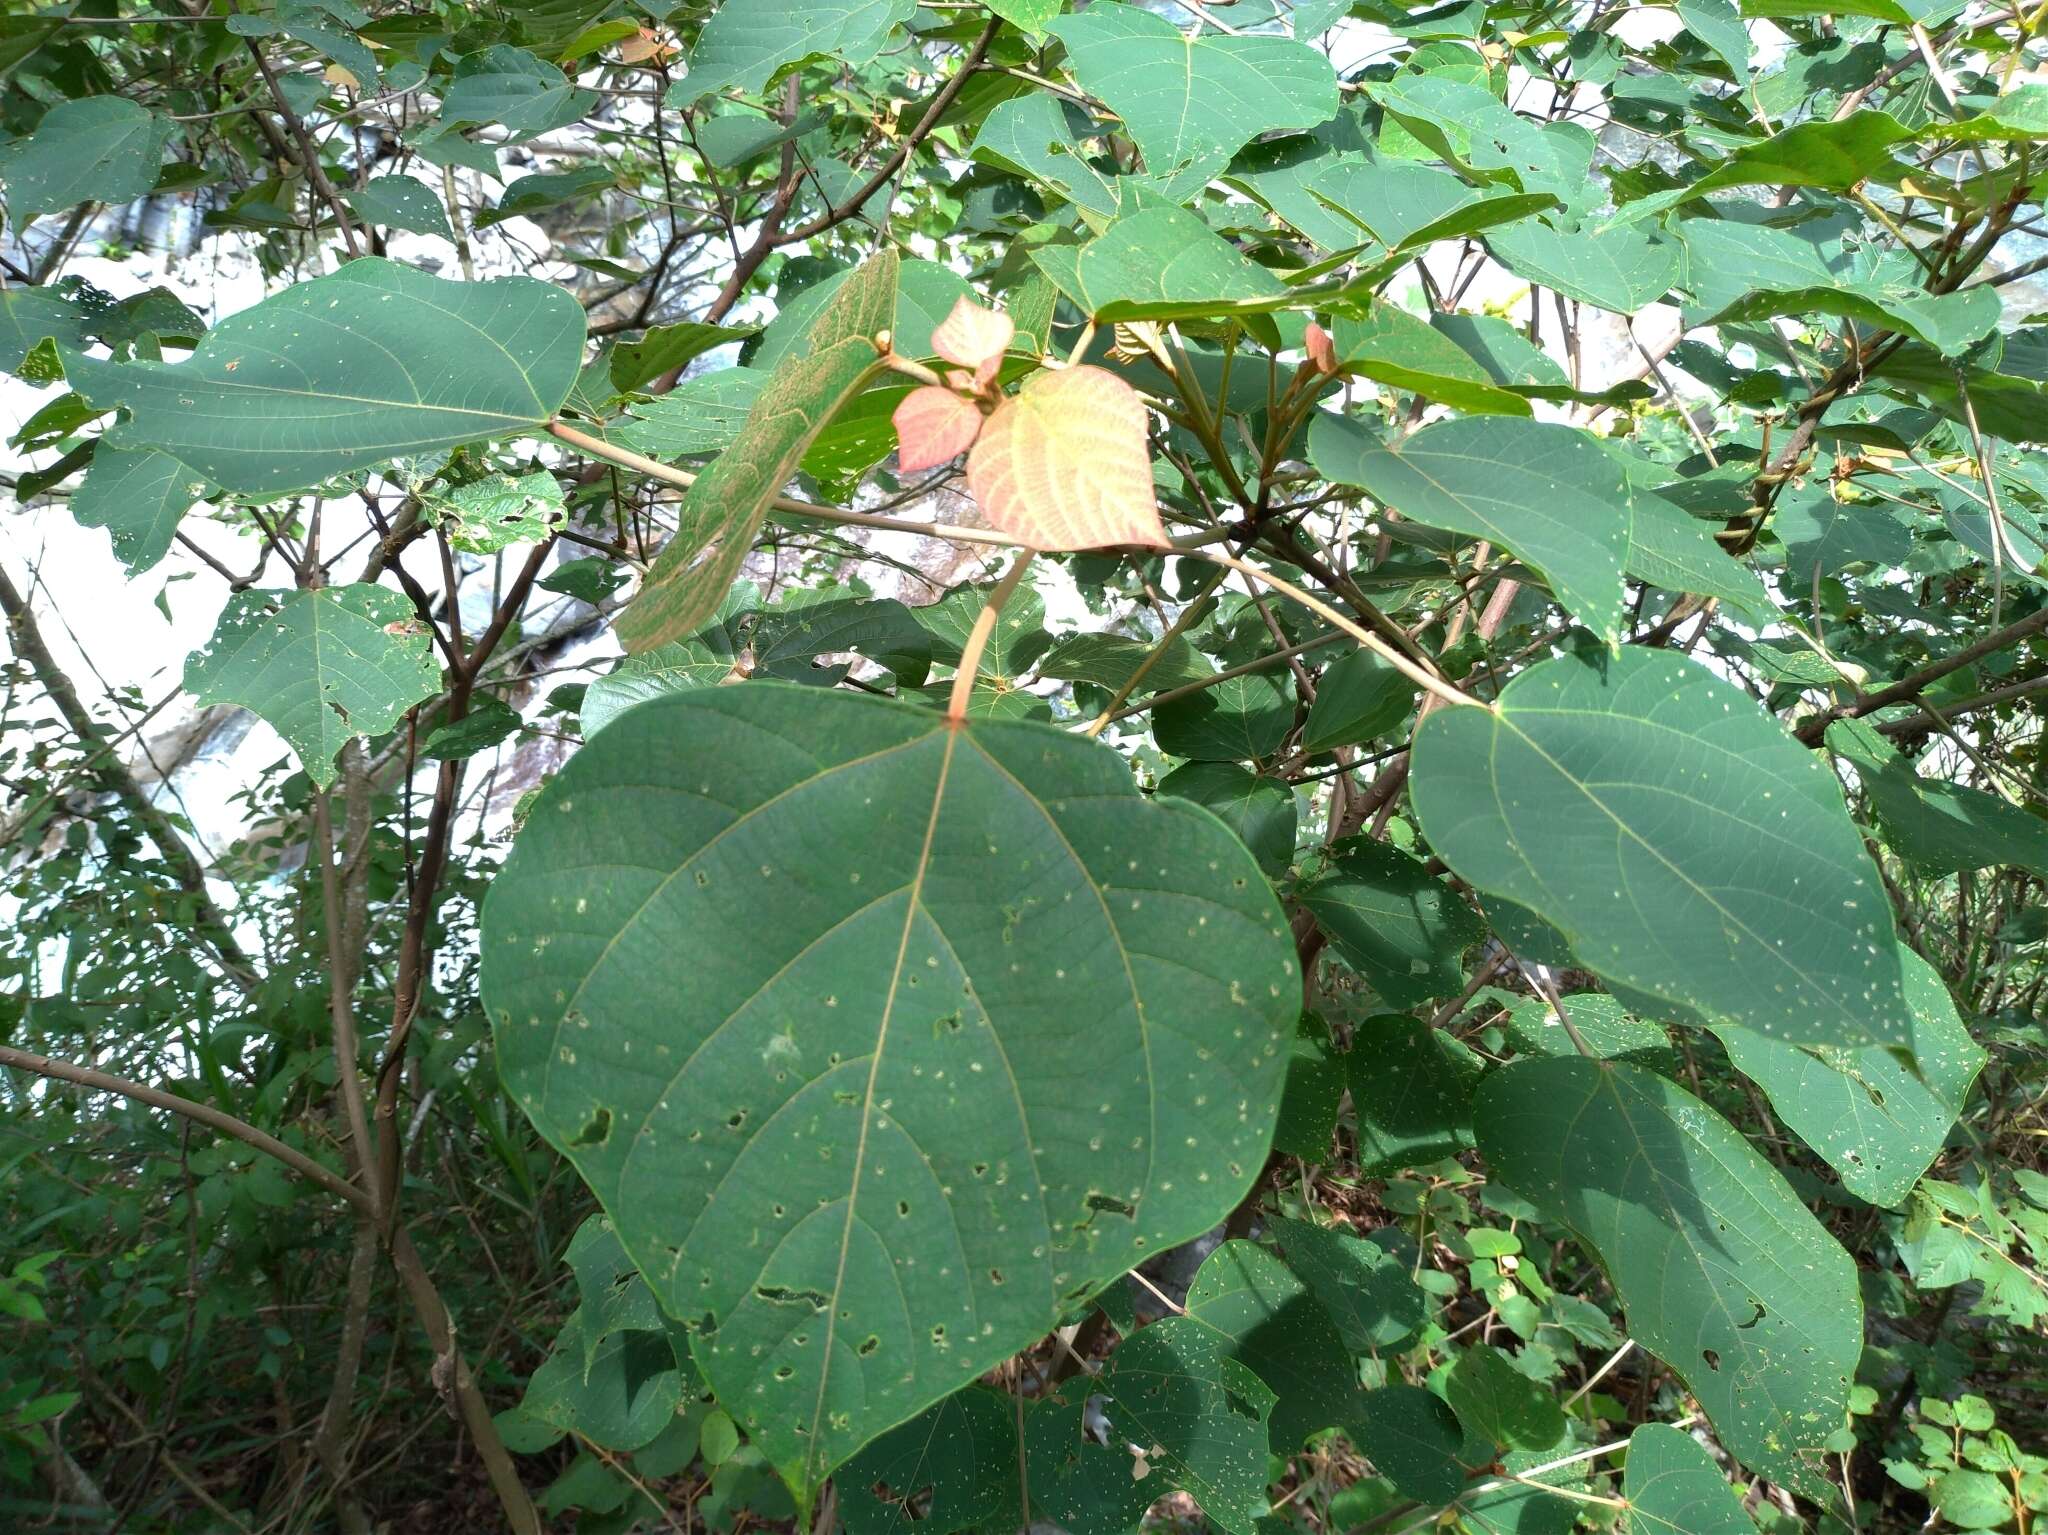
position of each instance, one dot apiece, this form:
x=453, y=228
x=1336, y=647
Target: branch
x=227, y=1124
x=1811, y=730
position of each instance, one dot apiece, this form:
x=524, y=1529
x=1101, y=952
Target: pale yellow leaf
x=974, y=338
x=334, y=74
x=933, y=425
x=646, y=45
x=1063, y=465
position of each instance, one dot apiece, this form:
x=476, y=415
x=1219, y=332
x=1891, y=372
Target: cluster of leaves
x=1546, y=857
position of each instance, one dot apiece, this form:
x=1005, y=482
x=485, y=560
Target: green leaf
x=1674, y=1486
x=1933, y=823
x=588, y=580
x=1878, y=1123
x=1017, y=640
x=722, y=512
x=1412, y=1438
x=1241, y=719
x=1533, y=1028
x=30, y=316
x=510, y=87
x=94, y=149
x=957, y=1462
x=1682, y=842
x=1111, y=660
x=1411, y=1090
x=2020, y=115
x=1039, y=137
x=748, y=44
x=1717, y=25
x=1277, y=1329
x=489, y=722
x=1314, y=1095
x=895, y=932
x=1162, y=263
x=1260, y=811
x=320, y=666
x=489, y=515
x=1366, y=1283
x=1545, y=491
x=546, y=189
x=1836, y=154
x=1622, y=270
x=1358, y=699
x=1824, y=535
x=1152, y=75
x=1477, y=133
x=926, y=292
x=1392, y=347
x=1396, y=924
x=621, y=1397
x=1721, y=1271
x=139, y=499
x=1670, y=548
x=666, y=347
x=1499, y=1403
x=1407, y=207
x=700, y=415
x=401, y=202
x=373, y=362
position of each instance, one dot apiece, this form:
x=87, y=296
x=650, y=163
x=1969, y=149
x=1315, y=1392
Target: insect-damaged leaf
x=320, y=666
x=347, y=371
x=858, y=1023
x=1722, y=1272
x=1062, y=464
x=1684, y=844
x=722, y=512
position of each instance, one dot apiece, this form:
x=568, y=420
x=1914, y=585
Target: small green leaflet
x=666, y=347
x=373, y=362
x=1721, y=1271
x=1358, y=699
x=138, y=498
x=1674, y=1487
x=879, y=939
x=1366, y=1283
x=1111, y=660
x=489, y=722
x=1718, y=25
x=1240, y=719
x=1191, y=100
x=1684, y=844
x=547, y=189
x=401, y=202
x=1413, y=1439
x=1395, y=923
x=1395, y=348
x=1499, y=1403
x=1543, y=490
x=723, y=510
x=320, y=666
x=748, y=43
x=95, y=149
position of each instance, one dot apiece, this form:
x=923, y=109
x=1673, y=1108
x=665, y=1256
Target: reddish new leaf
x=933, y=425
x=974, y=338
x=1063, y=465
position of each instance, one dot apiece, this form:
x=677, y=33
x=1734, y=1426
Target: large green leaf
x=1623, y=270
x=1675, y=1488
x=1191, y=100
x=1836, y=154
x=1475, y=131
x=747, y=43
x=1545, y=491
x=321, y=666
x=1500, y=1404
x=1413, y=1439
x=723, y=510
x=138, y=498
x=1241, y=719
x=1406, y=207
x=1392, y=347
x=1878, y=1123
x=1395, y=923
x=1721, y=1271
x=1366, y=1283
x=798, y=979
x=953, y=1467
x=1683, y=843
x=95, y=149
x=347, y=371
x=1411, y=1091
x=1358, y=698
x=1259, y=810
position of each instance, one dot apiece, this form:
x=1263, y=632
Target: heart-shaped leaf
x=974, y=338
x=863, y=1026
x=1062, y=464
x=933, y=424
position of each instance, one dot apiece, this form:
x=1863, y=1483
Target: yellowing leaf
x=334, y=74
x=646, y=45
x=1062, y=464
x=933, y=425
x=974, y=338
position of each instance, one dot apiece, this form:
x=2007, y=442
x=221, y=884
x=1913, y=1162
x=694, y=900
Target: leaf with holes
x=1721, y=1271
x=1684, y=844
x=321, y=666
x=1674, y=1487
x=139, y=498
x=371, y=363
x=848, y=1142
x=1062, y=464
